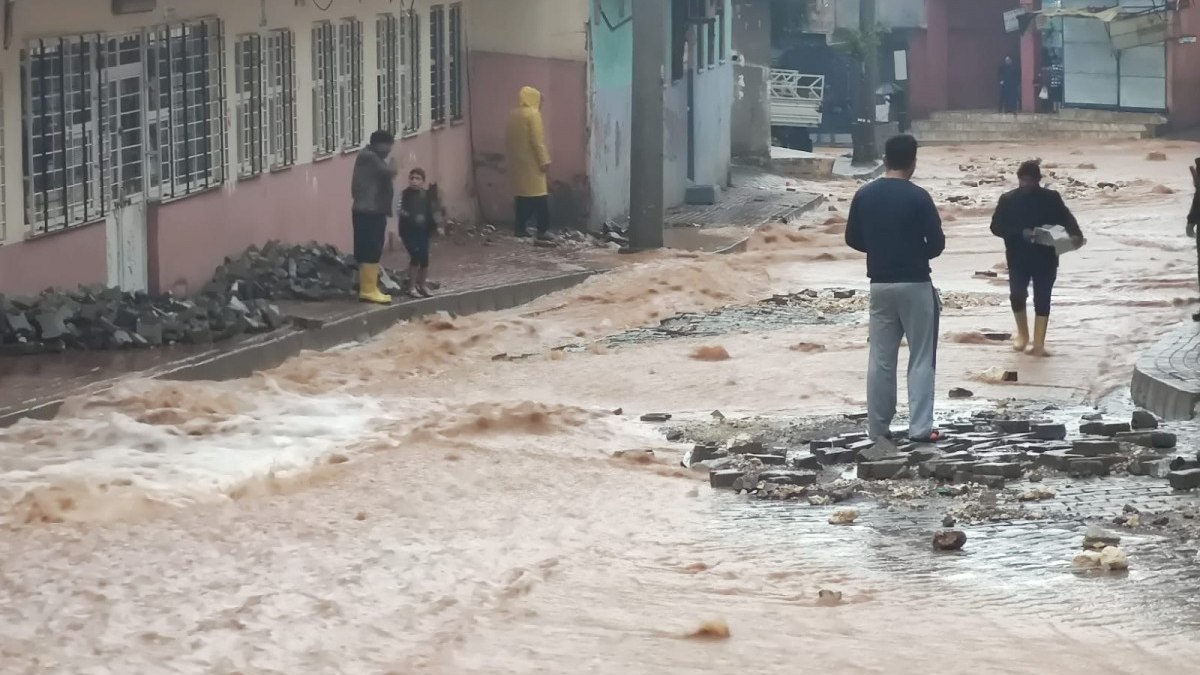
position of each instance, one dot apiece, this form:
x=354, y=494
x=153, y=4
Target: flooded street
x=473, y=495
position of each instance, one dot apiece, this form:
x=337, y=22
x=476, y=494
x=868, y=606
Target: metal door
x=123, y=77
x=1097, y=74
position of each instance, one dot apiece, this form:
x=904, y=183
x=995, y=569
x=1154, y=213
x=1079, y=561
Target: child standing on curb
x=417, y=210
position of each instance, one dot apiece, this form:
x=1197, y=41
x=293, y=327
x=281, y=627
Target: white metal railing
x=796, y=98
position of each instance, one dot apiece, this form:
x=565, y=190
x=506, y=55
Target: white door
x=123, y=77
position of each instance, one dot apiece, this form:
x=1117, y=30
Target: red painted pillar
x=1031, y=59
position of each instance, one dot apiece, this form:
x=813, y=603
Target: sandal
x=933, y=437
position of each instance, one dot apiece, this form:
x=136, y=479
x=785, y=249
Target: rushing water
x=413, y=505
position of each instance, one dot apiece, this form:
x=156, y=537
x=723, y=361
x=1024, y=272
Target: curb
x=267, y=351
x=1165, y=380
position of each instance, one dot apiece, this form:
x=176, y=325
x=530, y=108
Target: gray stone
x=1154, y=466
x=949, y=470
x=784, y=477
x=1095, y=448
x=1188, y=479
x=1086, y=467
x=951, y=540
x=724, y=479
x=844, y=294
x=1144, y=419
x=869, y=451
x=702, y=453
x=1057, y=460
x=1050, y=432
x=806, y=460
x=1092, y=417
x=960, y=393
x=924, y=454
x=1092, y=428
x=747, y=447
x=885, y=469
x=1010, y=470
x=656, y=417
x=1113, y=428
x=1013, y=426
x=1159, y=440
x=768, y=459
x=701, y=195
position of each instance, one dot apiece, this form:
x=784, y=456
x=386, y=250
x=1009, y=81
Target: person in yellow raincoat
x=528, y=163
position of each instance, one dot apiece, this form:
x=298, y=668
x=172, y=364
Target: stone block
x=703, y=453
x=1057, y=460
x=1111, y=429
x=1154, y=466
x=870, y=451
x=1009, y=470
x=1188, y=479
x=784, y=477
x=884, y=469
x=1159, y=440
x=1087, y=448
x=1144, y=419
x=1093, y=428
x=746, y=446
x=1050, y=432
x=724, y=479
x=944, y=470
x=768, y=459
x=1013, y=426
x=807, y=460
x=924, y=454
x=702, y=195
x=1086, y=467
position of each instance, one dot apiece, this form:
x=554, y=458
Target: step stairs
x=972, y=126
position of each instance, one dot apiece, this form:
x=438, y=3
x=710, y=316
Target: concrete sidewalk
x=1166, y=380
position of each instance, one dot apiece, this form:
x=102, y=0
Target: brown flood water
x=413, y=506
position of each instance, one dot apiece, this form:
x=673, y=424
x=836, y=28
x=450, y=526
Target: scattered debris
x=949, y=540
x=827, y=598
x=843, y=517
x=710, y=353
x=1156, y=156
x=656, y=417
x=960, y=393
x=716, y=629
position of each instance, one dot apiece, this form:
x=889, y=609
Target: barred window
x=722, y=34
x=266, y=101
x=437, y=65
x=387, y=57
x=710, y=46
x=185, y=107
x=337, y=86
x=455, y=58
x=3, y=181
x=113, y=118
x=410, y=70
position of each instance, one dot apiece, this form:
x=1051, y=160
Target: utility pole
x=865, y=151
x=646, y=133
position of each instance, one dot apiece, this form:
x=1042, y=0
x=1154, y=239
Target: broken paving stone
x=807, y=460
x=656, y=417
x=1086, y=467
x=1008, y=470
x=949, y=540
x=1150, y=465
x=702, y=453
x=1013, y=426
x=1050, y=432
x=725, y=479
x=1157, y=440
x=784, y=477
x=746, y=446
x=1096, y=538
x=844, y=294
x=1095, y=448
x=960, y=393
x=767, y=459
x=1144, y=419
x=1035, y=494
x=1187, y=479
x=870, y=451
x=886, y=469
x=1111, y=429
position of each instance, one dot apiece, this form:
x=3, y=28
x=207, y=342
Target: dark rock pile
x=238, y=300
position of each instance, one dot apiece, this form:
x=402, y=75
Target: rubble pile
x=238, y=300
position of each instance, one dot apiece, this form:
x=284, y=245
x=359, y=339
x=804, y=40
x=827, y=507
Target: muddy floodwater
x=474, y=495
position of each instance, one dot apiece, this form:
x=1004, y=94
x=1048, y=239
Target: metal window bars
x=266, y=101
x=324, y=84
x=387, y=57
x=455, y=72
x=410, y=70
x=350, y=87
x=437, y=65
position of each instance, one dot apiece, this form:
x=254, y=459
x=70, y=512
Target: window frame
x=387, y=72
x=266, y=103
x=410, y=72
x=438, y=108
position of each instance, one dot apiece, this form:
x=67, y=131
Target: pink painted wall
x=929, y=60
x=1183, y=71
x=307, y=203
x=61, y=260
x=496, y=79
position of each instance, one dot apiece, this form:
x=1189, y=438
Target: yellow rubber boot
x=1040, y=324
x=368, y=285
x=1021, y=340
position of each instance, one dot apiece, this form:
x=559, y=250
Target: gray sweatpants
x=899, y=311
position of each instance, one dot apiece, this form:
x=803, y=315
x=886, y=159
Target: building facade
x=141, y=148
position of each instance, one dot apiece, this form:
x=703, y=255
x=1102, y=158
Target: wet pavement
x=416, y=505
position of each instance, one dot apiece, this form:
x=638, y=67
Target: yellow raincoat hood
x=526, y=141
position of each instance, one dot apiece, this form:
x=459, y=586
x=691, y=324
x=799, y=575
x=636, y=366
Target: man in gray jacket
x=372, y=189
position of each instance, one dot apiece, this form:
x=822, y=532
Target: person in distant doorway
x=1017, y=214
x=1010, y=86
x=371, y=191
x=528, y=163
x=418, y=212
x=897, y=225
x=1193, y=219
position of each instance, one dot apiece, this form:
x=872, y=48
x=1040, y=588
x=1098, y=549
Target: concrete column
x=646, y=128
x=1031, y=59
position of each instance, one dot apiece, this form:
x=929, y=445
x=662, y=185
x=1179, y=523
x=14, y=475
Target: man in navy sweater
x=897, y=225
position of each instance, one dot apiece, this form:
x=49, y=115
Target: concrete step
x=1072, y=114
x=936, y=135
x=1036, y=126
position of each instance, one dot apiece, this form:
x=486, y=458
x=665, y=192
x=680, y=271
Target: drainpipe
x=646, y=128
